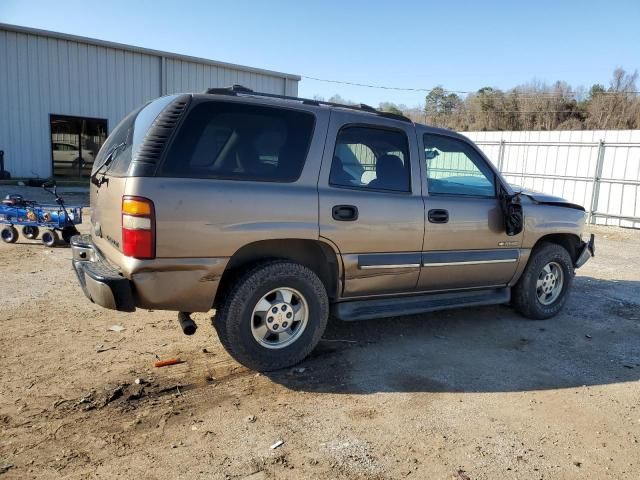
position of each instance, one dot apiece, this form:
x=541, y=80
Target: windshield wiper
x=109, y=158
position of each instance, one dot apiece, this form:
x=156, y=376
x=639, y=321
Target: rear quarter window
x=236, y=141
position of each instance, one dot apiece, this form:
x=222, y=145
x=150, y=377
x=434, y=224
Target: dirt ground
x=464, y=394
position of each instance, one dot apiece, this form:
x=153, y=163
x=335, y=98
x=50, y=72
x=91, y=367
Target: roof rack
x=235, y=90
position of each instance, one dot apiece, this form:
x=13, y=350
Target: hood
x=546, y=199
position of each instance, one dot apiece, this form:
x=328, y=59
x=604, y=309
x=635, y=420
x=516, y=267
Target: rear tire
x=30, y=232
x=263, y=299
x=545, y=283
x=68, y=232
x=9, y=234
x=50, y=238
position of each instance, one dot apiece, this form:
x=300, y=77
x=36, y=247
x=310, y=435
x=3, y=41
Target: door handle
x=438, y=215
x=345, y=213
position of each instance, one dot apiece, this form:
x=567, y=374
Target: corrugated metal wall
x=599, y=169
x=42, y=75
x=185, y=76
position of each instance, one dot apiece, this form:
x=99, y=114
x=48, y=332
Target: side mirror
x=512, y=211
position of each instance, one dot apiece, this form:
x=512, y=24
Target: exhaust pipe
x=188, y=326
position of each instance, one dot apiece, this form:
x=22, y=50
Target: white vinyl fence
x=599, y=169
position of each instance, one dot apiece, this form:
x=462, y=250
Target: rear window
x=242, y=142
x=128, y=135
x=121, y=135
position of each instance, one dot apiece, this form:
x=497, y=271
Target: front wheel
x=274, y=316
x=544, y=286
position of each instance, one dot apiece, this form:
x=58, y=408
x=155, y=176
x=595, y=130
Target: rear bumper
x=100, y=282
x=586, y=251
x=176, y=284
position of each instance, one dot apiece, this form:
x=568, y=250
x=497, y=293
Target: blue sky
x=460, y=45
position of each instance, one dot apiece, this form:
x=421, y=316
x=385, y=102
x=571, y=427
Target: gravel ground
x=465, y=394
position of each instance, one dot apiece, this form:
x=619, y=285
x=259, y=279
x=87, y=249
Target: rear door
x=465, y=242
x=371, y=207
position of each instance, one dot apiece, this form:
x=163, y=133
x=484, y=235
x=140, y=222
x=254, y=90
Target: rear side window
x=241, y=142
x=371, y=158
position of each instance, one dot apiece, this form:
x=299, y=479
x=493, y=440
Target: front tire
x=545, y=283
x=273, y=316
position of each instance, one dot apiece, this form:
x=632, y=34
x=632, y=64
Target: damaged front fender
x=585, y=252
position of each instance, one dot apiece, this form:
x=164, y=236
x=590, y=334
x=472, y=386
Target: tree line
x=534, y=106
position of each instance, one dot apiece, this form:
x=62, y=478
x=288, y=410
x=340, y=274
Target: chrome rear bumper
x=100, y=282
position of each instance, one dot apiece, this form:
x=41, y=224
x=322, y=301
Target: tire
x=539, y=302
x=68, y=232
x=9, y=234
x=50, y=238
x=236, y=323
x=30, y=232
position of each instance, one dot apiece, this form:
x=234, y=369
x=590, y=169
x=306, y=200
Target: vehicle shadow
x=595, y=341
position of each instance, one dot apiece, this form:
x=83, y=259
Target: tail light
x=138, y=228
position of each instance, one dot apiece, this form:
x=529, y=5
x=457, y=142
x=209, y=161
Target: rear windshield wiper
x=108, y=159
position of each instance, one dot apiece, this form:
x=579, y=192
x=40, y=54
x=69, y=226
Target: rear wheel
x=30, y=232
x=50, y=238
x=544, y=286
x=68, y=232
x=274, y=315
x=9, y=234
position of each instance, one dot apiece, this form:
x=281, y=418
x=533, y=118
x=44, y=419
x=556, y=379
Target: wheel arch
x=317, y=255
x=569, y=241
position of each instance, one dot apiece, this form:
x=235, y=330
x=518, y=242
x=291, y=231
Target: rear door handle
x=438, y=215
x=345, y=213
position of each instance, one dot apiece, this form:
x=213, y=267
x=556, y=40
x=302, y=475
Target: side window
x=455, y=168
x=371, y=158
x=240, y=142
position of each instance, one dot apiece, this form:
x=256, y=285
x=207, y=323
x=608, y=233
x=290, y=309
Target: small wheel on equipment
x=30, y=232
x=68, y=232
x=9, y=234
x=50, y=238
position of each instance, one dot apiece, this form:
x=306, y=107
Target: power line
x=466, y=92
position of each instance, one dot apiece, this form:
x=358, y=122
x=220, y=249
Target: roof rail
x=234, y=90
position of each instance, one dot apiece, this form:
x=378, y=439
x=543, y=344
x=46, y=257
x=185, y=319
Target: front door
x=371, y=206
x=465, y=242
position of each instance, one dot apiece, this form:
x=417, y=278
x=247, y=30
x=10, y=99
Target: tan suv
x=278, y=211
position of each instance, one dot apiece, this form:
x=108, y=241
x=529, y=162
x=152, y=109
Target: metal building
x=60, y=95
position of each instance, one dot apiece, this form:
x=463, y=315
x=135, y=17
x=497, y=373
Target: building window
x=75, y=142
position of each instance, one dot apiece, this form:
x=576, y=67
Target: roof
x=147, y=51
x=240, y=90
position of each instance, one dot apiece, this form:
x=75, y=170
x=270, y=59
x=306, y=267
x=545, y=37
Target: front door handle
x=345, y=213
x=438, y=215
